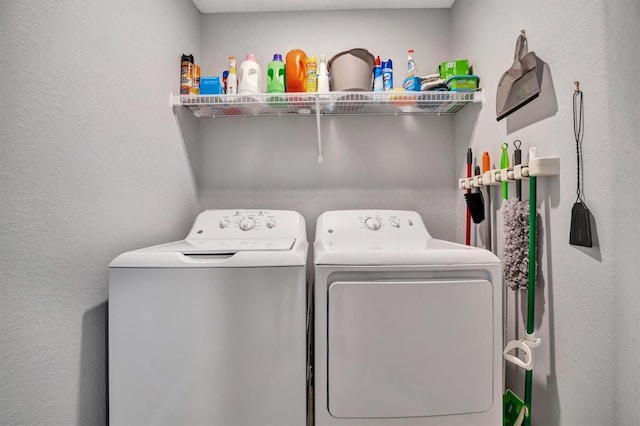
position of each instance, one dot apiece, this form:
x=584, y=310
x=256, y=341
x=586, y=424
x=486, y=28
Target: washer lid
x=229, y=238
x=219, y=253
x=225, y=245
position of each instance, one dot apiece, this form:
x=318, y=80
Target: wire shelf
x=329, y=104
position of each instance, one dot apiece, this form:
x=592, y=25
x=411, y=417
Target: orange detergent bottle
x=295, y=70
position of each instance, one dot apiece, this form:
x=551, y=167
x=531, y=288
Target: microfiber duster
x=516, y=243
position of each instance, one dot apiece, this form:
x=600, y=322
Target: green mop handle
x=531, y=290
x=504, y=164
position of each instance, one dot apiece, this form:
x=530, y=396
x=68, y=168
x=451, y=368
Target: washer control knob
x=247, y=223
x=224, y=223
x=395, y=222
x=270, y=223
x=372, y=223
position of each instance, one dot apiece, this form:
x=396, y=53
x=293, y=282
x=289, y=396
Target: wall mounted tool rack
x=327, y=104
x=539, y=166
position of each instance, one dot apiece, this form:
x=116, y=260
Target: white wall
x=587, y=369
x=91, y=166
x=369, y=162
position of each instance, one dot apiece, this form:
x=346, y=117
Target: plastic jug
x=295, y=70
x=275, y=75
x=250, y=76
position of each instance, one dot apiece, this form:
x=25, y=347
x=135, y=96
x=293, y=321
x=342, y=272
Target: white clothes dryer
x=408, y=328
x=212, y=329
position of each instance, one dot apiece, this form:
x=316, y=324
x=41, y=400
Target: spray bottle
x=323, y=76
x=412, y=83
x=387, y=75
x=232, y=79
x=377, y=75
x=412, y=69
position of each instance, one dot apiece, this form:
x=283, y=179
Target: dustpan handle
x=522, y=49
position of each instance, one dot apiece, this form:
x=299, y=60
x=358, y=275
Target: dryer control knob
x=270, y=223
x=247, y=224
x=372, y=223
x=395, y=222
x=224, y=223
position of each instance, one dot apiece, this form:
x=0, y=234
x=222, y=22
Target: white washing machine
x=212, y=329
x=407, y=327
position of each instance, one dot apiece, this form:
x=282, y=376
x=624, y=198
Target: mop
x=516, y=230
x=516, y=411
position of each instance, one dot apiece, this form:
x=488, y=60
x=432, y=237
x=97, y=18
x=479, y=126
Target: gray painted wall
x=587, y=370
x=91, y=166
x=369, y=162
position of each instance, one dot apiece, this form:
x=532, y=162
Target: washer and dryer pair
x=215, y=329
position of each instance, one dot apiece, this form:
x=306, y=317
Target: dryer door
x=410, y=348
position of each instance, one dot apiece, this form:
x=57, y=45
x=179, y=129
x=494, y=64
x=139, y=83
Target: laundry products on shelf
x=250, y=77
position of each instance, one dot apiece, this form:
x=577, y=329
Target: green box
x=451, y=68
x=462, y=82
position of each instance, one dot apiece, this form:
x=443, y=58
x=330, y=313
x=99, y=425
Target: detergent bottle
x=275, y=75
x=250, y=78
x=295, y=70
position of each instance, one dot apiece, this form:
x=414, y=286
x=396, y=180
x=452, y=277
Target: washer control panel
x=364, y=229
x=248, y=224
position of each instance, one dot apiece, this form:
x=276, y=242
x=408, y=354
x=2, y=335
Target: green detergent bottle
x=275, y=75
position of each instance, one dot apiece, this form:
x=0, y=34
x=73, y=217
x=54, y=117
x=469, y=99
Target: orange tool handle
x=486, y=162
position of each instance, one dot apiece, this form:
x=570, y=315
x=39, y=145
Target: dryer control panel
x=371, y=229
x=248, y=224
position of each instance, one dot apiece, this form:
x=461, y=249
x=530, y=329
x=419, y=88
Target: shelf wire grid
x=332, y=103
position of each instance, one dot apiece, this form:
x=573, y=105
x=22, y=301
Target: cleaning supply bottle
x=275, y=75
x=323, y=76
x=195, y=88
x=412, y=69
x=387, y=75
x=186, y=74
x=232, y=78
x=295, y=70
x=250, y=78
x=225, y=76
x=311, y=74
x=377, y=75
x=412, y=81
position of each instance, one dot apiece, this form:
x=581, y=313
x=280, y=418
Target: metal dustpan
x=521, y=83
